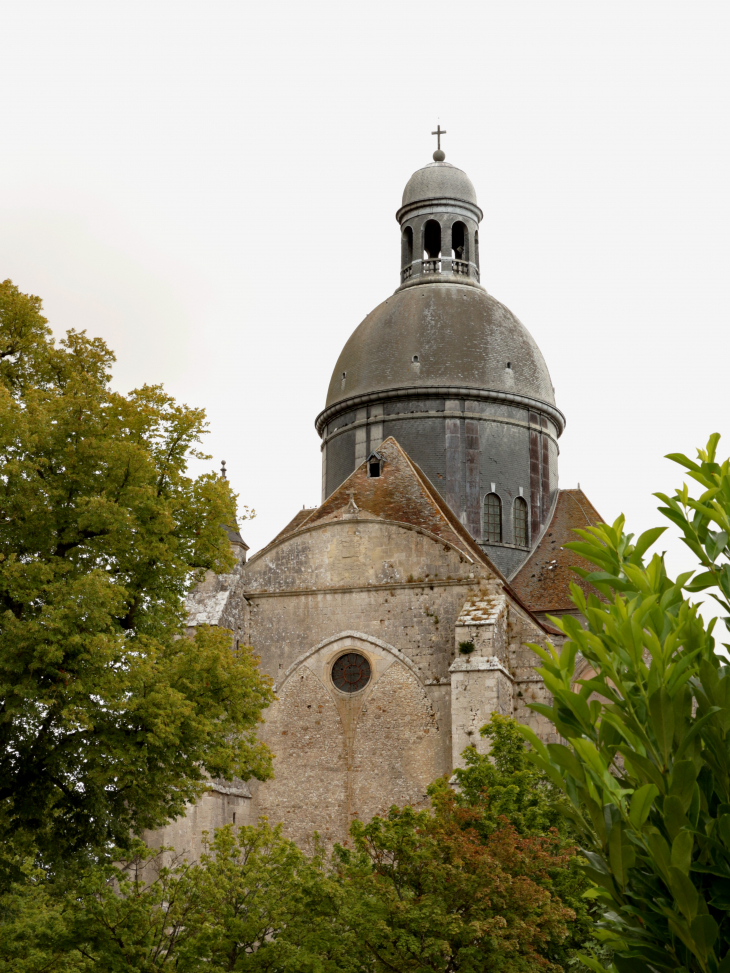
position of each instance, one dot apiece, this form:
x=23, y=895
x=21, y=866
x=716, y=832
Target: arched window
x=432, y=240
x=407, y=248
x=520, y=513
x=492, y=519
x=476, y=248
x=460, y=241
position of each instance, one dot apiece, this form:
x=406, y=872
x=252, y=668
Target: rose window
x=351, y=673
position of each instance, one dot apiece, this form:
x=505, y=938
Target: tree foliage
x=427, y=890
x=646, y=764
x=506, y=786
x=109, y=719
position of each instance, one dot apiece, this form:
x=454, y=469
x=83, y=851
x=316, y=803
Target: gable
x=401, y=494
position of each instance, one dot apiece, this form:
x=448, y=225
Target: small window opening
x=432, y=240
x=459, y=241
x=415, y=358
x=375, y=463
x=476, y=248
x=492, y=519
x=407, y=248
x=509, y=364
x=521, y=522
x=234, y=817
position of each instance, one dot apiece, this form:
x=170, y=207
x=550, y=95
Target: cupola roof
x=439, y=180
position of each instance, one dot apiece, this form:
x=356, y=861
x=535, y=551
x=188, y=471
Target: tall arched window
x=407, y=251
x=460, y=241
x=432, y=239
x=520, y=514
x=492, y=519
x=476, y=248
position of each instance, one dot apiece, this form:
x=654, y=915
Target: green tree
x=254, y=902
x=110, y=721
x=505, y=785
x=427, y=891
x=646, y=764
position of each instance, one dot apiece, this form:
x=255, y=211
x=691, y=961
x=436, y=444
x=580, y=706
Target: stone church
x=392, y=618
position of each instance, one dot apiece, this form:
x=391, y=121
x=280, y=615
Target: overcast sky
x=211, y=187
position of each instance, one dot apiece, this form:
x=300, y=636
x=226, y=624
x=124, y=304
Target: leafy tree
x=254, y=902
x=646, y=764
x=110, y=721
x=505, y=785
x=427, y=891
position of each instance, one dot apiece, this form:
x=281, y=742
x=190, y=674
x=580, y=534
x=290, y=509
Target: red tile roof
x=543, y=581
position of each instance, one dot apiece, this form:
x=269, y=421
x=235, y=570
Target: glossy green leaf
x=704, y=932
x=662, y=721
x=682, y=851
x=641, y=802
x=674, y=817
x=682, y=782
x=621, y=855
x=684, y=892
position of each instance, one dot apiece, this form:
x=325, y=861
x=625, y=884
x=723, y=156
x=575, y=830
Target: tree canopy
x=110, y=719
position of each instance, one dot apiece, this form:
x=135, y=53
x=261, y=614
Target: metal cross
x=439, y=132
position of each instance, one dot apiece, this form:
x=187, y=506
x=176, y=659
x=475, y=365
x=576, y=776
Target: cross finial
x=439, y=155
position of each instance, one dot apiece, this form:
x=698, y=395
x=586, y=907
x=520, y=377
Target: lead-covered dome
x=439, y=180
x=441, y=335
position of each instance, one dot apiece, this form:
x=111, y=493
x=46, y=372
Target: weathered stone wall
x=225, y=803
x=401, y=597
x=392, y=594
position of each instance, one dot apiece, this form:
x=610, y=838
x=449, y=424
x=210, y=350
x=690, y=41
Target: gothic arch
x=360, y=637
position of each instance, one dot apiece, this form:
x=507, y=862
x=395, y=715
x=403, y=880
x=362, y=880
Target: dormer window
x=375, y=464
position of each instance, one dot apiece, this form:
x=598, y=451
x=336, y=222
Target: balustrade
x=460, y=268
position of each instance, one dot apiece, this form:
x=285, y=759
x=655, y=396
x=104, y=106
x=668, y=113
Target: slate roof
x=543, y=581
x=463, y=338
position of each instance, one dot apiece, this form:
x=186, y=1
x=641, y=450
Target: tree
x=110, y=720
x=254, y=902
x=646, y=765
x=425, y=890
x=505, y=785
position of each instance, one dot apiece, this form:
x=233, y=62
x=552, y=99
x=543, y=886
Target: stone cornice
x=443, y=391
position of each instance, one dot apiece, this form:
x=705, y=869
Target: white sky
x=212, y=186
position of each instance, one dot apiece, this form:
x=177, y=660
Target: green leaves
x=647, y=769
x=641, y=802
x=662, y=718
x=111, y=719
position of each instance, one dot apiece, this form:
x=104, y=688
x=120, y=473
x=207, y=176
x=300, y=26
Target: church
x=393, y=617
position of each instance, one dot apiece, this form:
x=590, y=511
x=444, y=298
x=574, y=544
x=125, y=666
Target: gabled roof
x=299, y=517
x=543, y=582
x=401, y=493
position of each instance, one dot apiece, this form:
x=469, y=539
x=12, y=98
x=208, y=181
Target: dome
x=439, y=180
x=441, y=335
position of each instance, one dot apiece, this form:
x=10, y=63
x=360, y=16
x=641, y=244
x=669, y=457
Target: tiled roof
x=404, y=494
x=543, y=581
